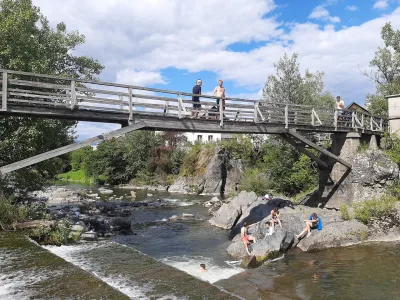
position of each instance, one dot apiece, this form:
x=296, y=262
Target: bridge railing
x=29, y=89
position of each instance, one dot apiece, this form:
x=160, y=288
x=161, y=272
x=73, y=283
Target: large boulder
x=371, y=174
x=338, y=234
x=229, y=213
x=220, y=169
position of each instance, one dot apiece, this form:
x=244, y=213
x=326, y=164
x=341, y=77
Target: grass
x=254, y=181
x=145, y=178
x=74, y=176
x=196, y=160
x=344, y=212
x=375, y=208
x=363, y=147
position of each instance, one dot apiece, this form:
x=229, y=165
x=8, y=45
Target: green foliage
x=385, y=71
x=177, y=158
x=290, y=175
x=391, y=146
x=138, y=147
x=80, y=157
x=11, y=213
x=28, y=43
x=58, y=233
x=363, y=147
x=375, y=208
x=394, y=189
x=254, y=181
x=240, y=147
x=107, y=163
x=74, y=176
x=290, y=86
x=344, y=212
x=197, y=158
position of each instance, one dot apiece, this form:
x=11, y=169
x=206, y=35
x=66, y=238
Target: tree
x=80, y=157
x=28, y=43
x=385, y=71
x=288, y=86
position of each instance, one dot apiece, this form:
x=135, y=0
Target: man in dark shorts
x=196, y=99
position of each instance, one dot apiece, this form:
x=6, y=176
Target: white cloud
x=321, y=13
x=87, y=130
x=351, y=7
x=139, y=78
x=381, y=4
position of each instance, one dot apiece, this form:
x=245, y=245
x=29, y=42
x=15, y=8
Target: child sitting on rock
x=275, y=217
x=268, y=229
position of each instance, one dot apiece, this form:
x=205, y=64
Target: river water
x=361, y=272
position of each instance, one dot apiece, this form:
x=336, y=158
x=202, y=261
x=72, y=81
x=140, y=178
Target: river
x=360, y=272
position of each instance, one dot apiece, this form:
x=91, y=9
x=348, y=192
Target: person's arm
x=215, y=91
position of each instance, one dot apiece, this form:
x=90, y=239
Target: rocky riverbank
x=336, y=232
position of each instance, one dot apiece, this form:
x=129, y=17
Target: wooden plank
x=17, y=100
x=306, y=141
x=4, y=92
x=66, y=149
x=304, y=151
x=21, y=91
x=38, y=96
x=39, y=84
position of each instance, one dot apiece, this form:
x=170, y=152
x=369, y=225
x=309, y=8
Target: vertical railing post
x=121, y=103
x=130, y=119
x=4, y=93
x=371, y=124
x=312, y=117
x=255, y=113
x=179, y=106
x=335, y=119
x=362, y=122
x=287, y=116
x=353, y=120
x=221, y=112
x=73, y=95
x=381, y=124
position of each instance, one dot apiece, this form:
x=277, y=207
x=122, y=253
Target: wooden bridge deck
x=37, y=95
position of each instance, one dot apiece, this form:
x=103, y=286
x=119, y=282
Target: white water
x=191, y=265
x=72, y=255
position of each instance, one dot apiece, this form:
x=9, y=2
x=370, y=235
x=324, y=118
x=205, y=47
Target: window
x=199, y=138
x=210, y=138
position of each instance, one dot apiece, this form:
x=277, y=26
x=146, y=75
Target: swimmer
x=203, y=268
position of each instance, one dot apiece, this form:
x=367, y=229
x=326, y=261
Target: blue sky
x=168, y=44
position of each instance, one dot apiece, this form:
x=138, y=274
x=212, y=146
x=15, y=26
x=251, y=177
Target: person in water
x=246, y=238
x=219, y=92
x=203, y=268
x=269, y=230
x=275, y=217
x=313, y=223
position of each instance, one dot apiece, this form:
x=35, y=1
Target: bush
x=55, y=234
x=391, y=145
x=197, y=158
x=344, y=212
x=363, y=147
x=11, y=213
x=254, y=181
x=375, y=208
x=74, y=176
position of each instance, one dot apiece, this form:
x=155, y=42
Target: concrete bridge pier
x=335, y=186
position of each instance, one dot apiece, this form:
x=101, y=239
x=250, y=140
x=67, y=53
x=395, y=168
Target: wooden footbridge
x=134, y=107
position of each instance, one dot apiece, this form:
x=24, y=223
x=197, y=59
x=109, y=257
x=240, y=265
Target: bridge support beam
x=66, y=149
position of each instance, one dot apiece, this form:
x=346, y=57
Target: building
x=203, y=137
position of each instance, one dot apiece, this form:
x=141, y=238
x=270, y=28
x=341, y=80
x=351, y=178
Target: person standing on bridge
x=339, y=103
x=196, y=99
x=219, y=92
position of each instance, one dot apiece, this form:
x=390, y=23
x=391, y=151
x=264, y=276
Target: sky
x=169, y=44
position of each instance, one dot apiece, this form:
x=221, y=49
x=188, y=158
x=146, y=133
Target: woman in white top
x=219, y=92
